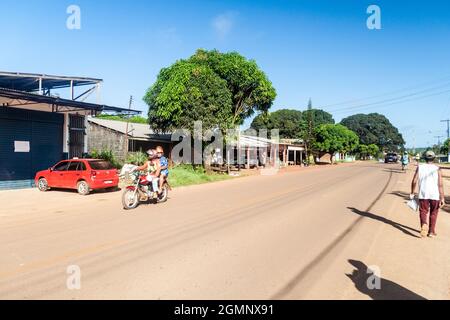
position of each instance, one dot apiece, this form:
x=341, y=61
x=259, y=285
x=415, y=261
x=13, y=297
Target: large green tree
x=445, y=147
x=186, y=92
x=375, y=128
x=368, y=150
x=333, y=138
x=312, y=119
x=287, y=121
x=220, y=89
x=318, y=117
x=251, y=90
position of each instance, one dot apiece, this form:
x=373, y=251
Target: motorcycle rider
x=153, y=168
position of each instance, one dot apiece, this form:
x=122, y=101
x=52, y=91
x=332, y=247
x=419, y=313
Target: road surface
x=306, y=234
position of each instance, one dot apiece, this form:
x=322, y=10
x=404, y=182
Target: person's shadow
x=405, y=196
x=401, y=227
x=387, y=290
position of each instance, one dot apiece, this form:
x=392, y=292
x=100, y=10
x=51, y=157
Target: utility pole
x=439, y=139
x=126, y=129
x=448, y=137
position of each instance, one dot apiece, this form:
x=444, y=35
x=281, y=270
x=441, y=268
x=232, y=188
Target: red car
x=83, y=175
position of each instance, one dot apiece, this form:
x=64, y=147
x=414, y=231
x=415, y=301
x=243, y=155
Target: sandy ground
x=301, y=234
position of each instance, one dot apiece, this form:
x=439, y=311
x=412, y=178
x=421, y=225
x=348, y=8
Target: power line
x=439, y=139
x=448, y=127
x=392, y=99
x=126, y=146
x=390, y=104
x=389, y=93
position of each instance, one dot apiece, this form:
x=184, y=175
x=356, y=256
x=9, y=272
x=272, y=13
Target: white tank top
x=429, y=182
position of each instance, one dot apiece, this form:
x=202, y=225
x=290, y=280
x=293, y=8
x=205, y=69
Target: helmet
x=151, y=154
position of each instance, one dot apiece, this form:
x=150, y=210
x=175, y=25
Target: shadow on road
x=75, y=192
x=396, y=171
x=388, y=290
x=405, y=196
x=396, y=225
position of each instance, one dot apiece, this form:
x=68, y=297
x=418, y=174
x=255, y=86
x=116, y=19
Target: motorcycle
x=141, y=190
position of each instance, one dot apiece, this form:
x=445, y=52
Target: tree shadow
x=405, y=196
x=396, y=225
x=388, y=290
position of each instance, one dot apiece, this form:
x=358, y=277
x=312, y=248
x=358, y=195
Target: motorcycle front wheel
x=130, y=199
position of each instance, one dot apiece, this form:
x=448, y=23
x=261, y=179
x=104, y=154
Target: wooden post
x=248, y=157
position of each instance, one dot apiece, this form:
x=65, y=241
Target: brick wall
x=101, y=138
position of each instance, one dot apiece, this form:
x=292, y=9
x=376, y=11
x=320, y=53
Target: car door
x=56, y=177
x=72, y=175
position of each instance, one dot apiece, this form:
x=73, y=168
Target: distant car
x=83, y=175
x=391, y=158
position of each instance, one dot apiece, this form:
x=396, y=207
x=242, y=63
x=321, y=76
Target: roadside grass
x=185, y=175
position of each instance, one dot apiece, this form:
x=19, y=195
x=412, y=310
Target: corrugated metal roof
x=29, y=82
x=10, y=97
x=135, y=130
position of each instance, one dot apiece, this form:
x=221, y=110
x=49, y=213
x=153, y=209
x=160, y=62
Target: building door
x=77, y=131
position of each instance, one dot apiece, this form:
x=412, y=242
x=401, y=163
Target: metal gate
x=77, y=131
x=30, y=141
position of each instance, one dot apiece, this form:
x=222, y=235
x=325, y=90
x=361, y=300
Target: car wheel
x=83, y=188
x=42, y=184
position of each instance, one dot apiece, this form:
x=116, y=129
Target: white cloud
x=223, y=24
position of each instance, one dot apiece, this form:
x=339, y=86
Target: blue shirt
x=163, y=162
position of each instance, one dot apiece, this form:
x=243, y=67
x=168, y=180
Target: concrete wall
x=100, y=138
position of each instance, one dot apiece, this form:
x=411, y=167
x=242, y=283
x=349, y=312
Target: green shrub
x=137, y=158
x=107, y=155
x=183, y=175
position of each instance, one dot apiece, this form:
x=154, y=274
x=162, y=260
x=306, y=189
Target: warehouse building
x=39, y=128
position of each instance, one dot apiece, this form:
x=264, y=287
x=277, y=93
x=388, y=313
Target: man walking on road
x=431, y=193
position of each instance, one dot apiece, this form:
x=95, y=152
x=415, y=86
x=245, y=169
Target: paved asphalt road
x=294, y=235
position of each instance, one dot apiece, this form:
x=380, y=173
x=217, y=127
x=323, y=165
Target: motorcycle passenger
x=152, y=168
x=163, y=167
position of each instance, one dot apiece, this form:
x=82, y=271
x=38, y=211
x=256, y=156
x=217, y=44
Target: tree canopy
x=318, y=116
x=376, y=129
x=132, y=119
x=287, y=121
x=220, y=89
x=187, y=92
x=293, y=124
x=334, y=138
x=250, y=88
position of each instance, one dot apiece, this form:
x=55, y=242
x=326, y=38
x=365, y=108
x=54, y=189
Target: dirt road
x=299, y=235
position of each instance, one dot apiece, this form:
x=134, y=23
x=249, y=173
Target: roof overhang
x=32, y=82
x=30, y=101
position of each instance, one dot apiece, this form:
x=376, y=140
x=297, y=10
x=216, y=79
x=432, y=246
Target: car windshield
x=101, y=165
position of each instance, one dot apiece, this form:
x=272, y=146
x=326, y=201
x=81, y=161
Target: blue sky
x=318, y=49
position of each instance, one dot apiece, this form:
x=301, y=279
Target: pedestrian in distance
x=431, y=196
